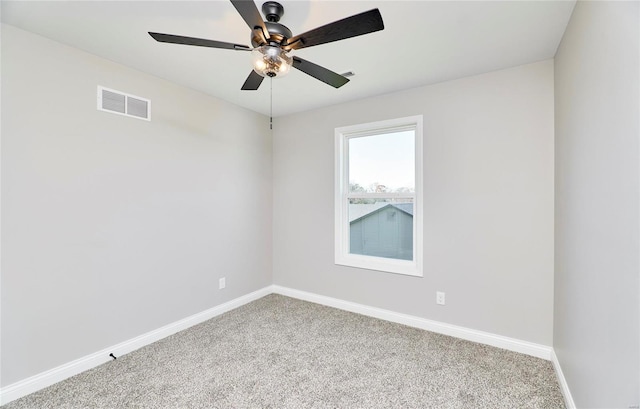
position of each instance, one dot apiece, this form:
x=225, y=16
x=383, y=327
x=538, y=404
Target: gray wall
x=596, y=315
x=113, y=226
x=488, y=183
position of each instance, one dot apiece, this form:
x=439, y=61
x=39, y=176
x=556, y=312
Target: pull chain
x=271, y=103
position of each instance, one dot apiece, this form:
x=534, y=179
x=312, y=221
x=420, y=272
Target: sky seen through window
x=384, y=159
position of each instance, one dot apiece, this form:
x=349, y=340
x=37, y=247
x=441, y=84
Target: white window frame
x=342, y=196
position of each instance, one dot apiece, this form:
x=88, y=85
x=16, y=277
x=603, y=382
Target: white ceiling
x=424, y=42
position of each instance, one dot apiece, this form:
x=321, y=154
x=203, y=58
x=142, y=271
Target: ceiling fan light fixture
x=271, y=61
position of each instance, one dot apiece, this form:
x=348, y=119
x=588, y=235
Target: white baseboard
x=511, y=344
x=564, y=387
x=47, y=378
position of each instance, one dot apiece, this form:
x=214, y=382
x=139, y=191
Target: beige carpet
x=278, y=352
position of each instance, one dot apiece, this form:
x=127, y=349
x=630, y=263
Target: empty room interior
x=340, y=204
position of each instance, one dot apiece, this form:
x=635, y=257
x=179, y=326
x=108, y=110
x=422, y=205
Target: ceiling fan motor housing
x=278, y=34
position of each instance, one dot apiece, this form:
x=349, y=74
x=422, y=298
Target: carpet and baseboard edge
x=47, y=378
x=511, y=344
x=42, y=380
x=564, y=387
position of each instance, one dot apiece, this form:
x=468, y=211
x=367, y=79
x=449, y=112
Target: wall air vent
x=118, y=102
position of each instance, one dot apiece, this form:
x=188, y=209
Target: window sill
x=380, y=264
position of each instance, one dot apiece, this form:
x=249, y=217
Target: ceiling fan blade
x=175, y=39
x=251, y=15
x=252, y=82
x=325, y=75
x=359, y=24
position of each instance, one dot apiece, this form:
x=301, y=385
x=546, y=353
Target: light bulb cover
x=271, y=61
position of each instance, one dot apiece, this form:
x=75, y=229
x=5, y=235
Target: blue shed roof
x=359, y=210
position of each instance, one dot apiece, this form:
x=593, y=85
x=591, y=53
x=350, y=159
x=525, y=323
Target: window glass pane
x=382, y=163
x=381, y=228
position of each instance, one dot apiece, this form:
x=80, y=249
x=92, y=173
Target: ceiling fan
x=272, y=42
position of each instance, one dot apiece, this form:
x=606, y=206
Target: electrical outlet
x=222, y=283
x=439, y=298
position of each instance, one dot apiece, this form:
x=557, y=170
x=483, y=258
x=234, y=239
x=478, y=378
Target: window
x=378, y=196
